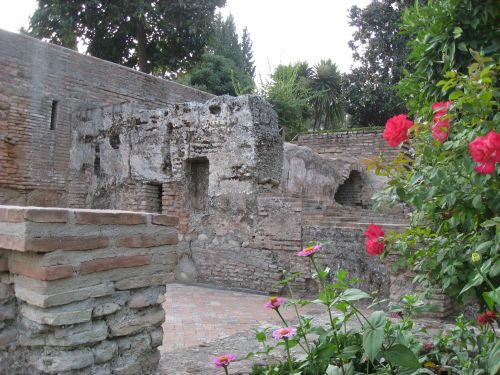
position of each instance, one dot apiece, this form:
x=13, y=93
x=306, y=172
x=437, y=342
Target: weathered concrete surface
x=311, y=175
x=117, y=156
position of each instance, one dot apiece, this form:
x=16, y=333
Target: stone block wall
x=360, y=144
x=81, y=290
x=41, y=86
x=191, y=152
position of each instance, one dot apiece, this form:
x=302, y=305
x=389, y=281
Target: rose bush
x=452, y=186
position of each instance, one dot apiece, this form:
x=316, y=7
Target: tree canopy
x=443, y=34
x=379, y=51
x=152, y=35
x=222, y=68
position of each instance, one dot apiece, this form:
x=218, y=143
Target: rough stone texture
x=34, y=155
x=225, y=146
x=310, y=175
x=102, y=317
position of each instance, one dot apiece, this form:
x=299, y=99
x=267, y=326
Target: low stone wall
x=81, y=290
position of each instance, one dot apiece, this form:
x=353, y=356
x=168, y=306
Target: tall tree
x=380, y=51
x=443, y=33
x=326, y=96
x=222, y=67
x=154, y=35
x=246, y=46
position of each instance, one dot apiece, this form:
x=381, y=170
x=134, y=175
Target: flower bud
x=476, y=257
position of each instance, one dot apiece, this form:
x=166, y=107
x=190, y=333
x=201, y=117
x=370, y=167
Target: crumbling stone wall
x=41, y=85
x=224, y=147
x=360, y=144
x=221, y=167
x=81, y=290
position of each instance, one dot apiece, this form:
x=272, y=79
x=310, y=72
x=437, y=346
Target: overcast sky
x=282, y=31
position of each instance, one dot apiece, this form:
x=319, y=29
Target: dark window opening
x=160, y=198
x=151, y=197
x=53, y=115
x=97, y=160
x=350, y=192
x=197, y=178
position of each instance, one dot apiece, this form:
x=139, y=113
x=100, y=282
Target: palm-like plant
x=325, y=96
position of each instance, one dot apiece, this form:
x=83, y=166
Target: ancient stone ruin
x=150, y=182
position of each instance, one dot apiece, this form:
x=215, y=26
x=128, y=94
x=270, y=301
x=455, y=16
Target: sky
x=282, y=31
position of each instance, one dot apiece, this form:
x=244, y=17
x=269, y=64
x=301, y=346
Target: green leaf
x=477, y=280
x=457, y=32
x=260, y=336
x=491, y=222
x=400, y=355
x=350, y=351
x=354, y=295
x=494, y=359
x=456, y=94
x=492, y=298
x=495, y=269
x=373, y=337
x=333, y=370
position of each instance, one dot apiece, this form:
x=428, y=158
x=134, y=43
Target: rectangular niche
x=197, y=173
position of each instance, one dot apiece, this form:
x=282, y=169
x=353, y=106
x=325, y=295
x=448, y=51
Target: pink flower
x=286, y=332
x=441, y=127
x=274, y=303
x=440, y=108
x=374, y=232
x=428, y=346
x=486, y=317
x=396, y=130
x=374, y=247
x=309, y=250
x=375, y=243
x=223, y=360
x=485, y=151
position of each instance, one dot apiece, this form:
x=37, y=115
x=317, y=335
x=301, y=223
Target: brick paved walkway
x=196, y=315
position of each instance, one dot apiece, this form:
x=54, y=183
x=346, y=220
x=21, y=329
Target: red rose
x=374, y=232
x=440, y=108
x=486, y=317
x=396, y=130
x=374, y=247
x=485, y=151
x=441, y=127
x=493, y=141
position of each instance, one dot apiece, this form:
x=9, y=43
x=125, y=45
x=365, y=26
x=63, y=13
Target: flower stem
x=281, y=317
x=225, y=370
x=288, y=355
x=486, y=279
x=299, y=319
x=323, y=286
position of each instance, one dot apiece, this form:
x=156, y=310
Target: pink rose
x=441, y=127
x=396, y=130
x=485, y=151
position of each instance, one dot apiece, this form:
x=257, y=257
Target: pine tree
x=246, y=47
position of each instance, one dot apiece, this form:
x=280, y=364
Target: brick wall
x=81, y=290
x=359, y=144
x=33, y=76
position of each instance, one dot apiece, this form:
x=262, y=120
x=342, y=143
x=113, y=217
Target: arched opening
x=350, y=192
